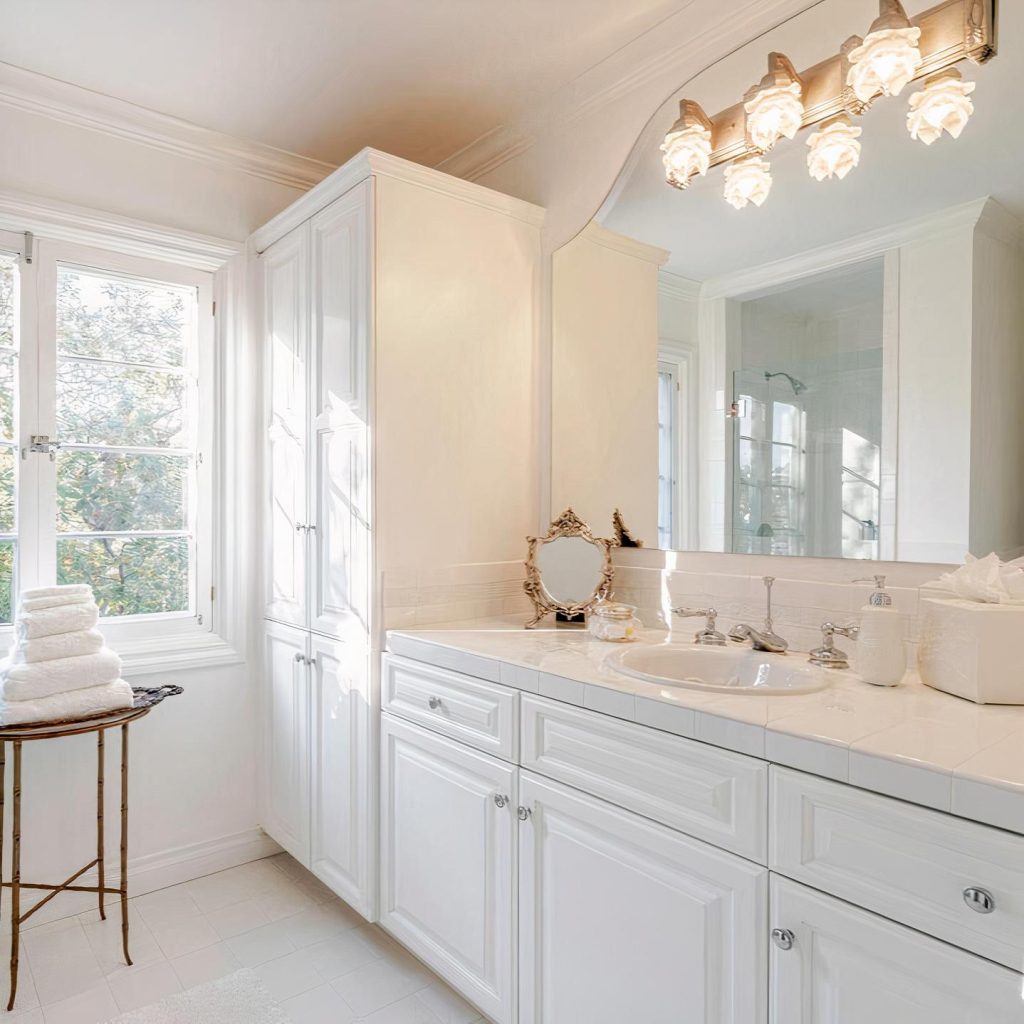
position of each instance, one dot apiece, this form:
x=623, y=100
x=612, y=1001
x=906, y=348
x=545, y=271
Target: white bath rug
x=240, y=998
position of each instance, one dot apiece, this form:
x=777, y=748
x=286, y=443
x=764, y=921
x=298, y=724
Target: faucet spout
x=759, y=640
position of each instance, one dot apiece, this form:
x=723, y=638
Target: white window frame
x=147, y=643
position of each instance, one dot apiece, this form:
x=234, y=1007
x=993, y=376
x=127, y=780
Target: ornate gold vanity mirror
x=568, y=570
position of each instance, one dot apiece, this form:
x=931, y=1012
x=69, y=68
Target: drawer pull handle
x=783, y=938
x=500, y=801
x=979, y=900
x=522, y=813
x=434, y=703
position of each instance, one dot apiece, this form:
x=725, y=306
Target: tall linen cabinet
x=399, y=311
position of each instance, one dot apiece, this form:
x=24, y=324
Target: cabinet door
x=339, y=389
x=622, y=919
x=286, y=324
x=448, y=861
x=344, y=771
x=286, y=739
x=847, y=966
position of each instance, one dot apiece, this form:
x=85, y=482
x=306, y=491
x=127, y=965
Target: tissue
x=987, y=580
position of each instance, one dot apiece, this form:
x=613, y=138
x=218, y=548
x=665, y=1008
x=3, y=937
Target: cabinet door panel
x=847, y=966
x=286, y=739
x=340, y=238
x=344, y=777
x=286, y=303
x=622, y=919
x=448, y=861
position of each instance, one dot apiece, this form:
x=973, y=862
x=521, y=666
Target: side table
x=145, y=700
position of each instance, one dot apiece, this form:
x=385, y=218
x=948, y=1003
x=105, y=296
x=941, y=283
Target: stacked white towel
x=59, y=667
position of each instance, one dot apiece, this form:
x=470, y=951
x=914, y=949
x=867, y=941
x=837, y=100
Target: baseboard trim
x=160, y=870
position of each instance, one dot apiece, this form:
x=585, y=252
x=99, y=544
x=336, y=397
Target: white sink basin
x=720, y=669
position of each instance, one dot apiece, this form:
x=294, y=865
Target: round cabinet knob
x=980, y=901
x=500, y=801
x=783, y=938
x=523, y=813
x=434, y=703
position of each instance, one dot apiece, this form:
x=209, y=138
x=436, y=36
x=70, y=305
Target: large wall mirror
x=834, y=373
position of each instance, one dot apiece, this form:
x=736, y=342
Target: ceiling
x=898, y=179
x=418, y=78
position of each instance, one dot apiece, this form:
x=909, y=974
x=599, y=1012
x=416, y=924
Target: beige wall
x=604, y=446
x=456, y=378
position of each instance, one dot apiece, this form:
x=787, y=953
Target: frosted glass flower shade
x=773, y=113
x=747, y=180
x=888, y=58
x=834, y=150
x=943, y=104
x=687, y=153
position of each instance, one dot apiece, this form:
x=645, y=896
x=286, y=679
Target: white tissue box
x=972, y=650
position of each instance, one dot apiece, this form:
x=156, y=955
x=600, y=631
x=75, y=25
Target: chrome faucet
x=709, y=635
x=828, y=655
x=765, y=639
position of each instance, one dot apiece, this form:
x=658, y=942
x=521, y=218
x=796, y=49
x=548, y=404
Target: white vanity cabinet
x=389, y=296
x=622, y=919
x=448, y=852
x=832, y=963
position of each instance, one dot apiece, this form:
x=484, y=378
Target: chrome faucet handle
x=828, y=655
x=709, y=635
x=772, y=639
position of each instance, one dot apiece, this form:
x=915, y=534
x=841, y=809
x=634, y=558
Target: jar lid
x=611, y=610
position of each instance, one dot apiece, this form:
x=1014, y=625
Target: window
x=668, y=457
x=861, y=496
x=104, y=426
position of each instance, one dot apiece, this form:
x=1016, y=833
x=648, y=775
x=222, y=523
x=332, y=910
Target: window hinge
x=27, y=254
x=212, y=591
x=215, y=307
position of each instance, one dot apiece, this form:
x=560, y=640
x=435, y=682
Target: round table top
x=71, y=727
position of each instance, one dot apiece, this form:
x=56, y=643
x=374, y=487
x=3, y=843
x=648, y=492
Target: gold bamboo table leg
x=16, y=735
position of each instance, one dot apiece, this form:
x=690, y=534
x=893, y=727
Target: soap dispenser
x=880, y=658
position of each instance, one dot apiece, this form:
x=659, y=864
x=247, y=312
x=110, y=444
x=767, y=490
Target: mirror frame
x=568, y=524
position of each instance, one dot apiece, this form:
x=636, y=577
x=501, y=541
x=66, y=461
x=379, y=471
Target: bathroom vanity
x=561, y=842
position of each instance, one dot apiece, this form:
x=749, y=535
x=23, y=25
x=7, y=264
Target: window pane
x=7, y=378
x=6, y=491
x=129, y=321
x=129, y=577
x=6, y=581
x=785, y=423
x=784, y=463
x=861, y=456
x=6, y=301
x=104, y=492
x=114, y=405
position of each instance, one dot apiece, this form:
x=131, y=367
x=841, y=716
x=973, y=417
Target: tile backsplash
x=806, y=593
x=424, y=597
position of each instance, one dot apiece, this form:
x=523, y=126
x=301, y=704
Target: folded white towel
x=46, y=678
x=64, y=590
x=66, y=619
x=87, y=703
x=60, y=645
x=35, y=604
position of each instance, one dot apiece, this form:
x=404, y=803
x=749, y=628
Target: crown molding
x=70, y=104
x=843, y=253
x=369, y=162
x=63, y=222
x=674, y=286
x=663, y=50
x=600, y=235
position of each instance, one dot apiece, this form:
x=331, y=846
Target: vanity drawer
x=904, y=862
x=712, y=794
x=479, y=714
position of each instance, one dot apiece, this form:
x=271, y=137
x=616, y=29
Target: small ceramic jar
x=616, y=623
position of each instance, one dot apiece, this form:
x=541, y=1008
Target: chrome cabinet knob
x=980, y=901
x=500, y=801
x=522, y=813
x=434, y=703
x=783, y=938
x=300, y=658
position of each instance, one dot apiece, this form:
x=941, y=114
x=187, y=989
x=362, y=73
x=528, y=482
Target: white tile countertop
x=907, y=741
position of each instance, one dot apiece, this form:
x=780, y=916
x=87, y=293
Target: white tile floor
x=316, y=956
